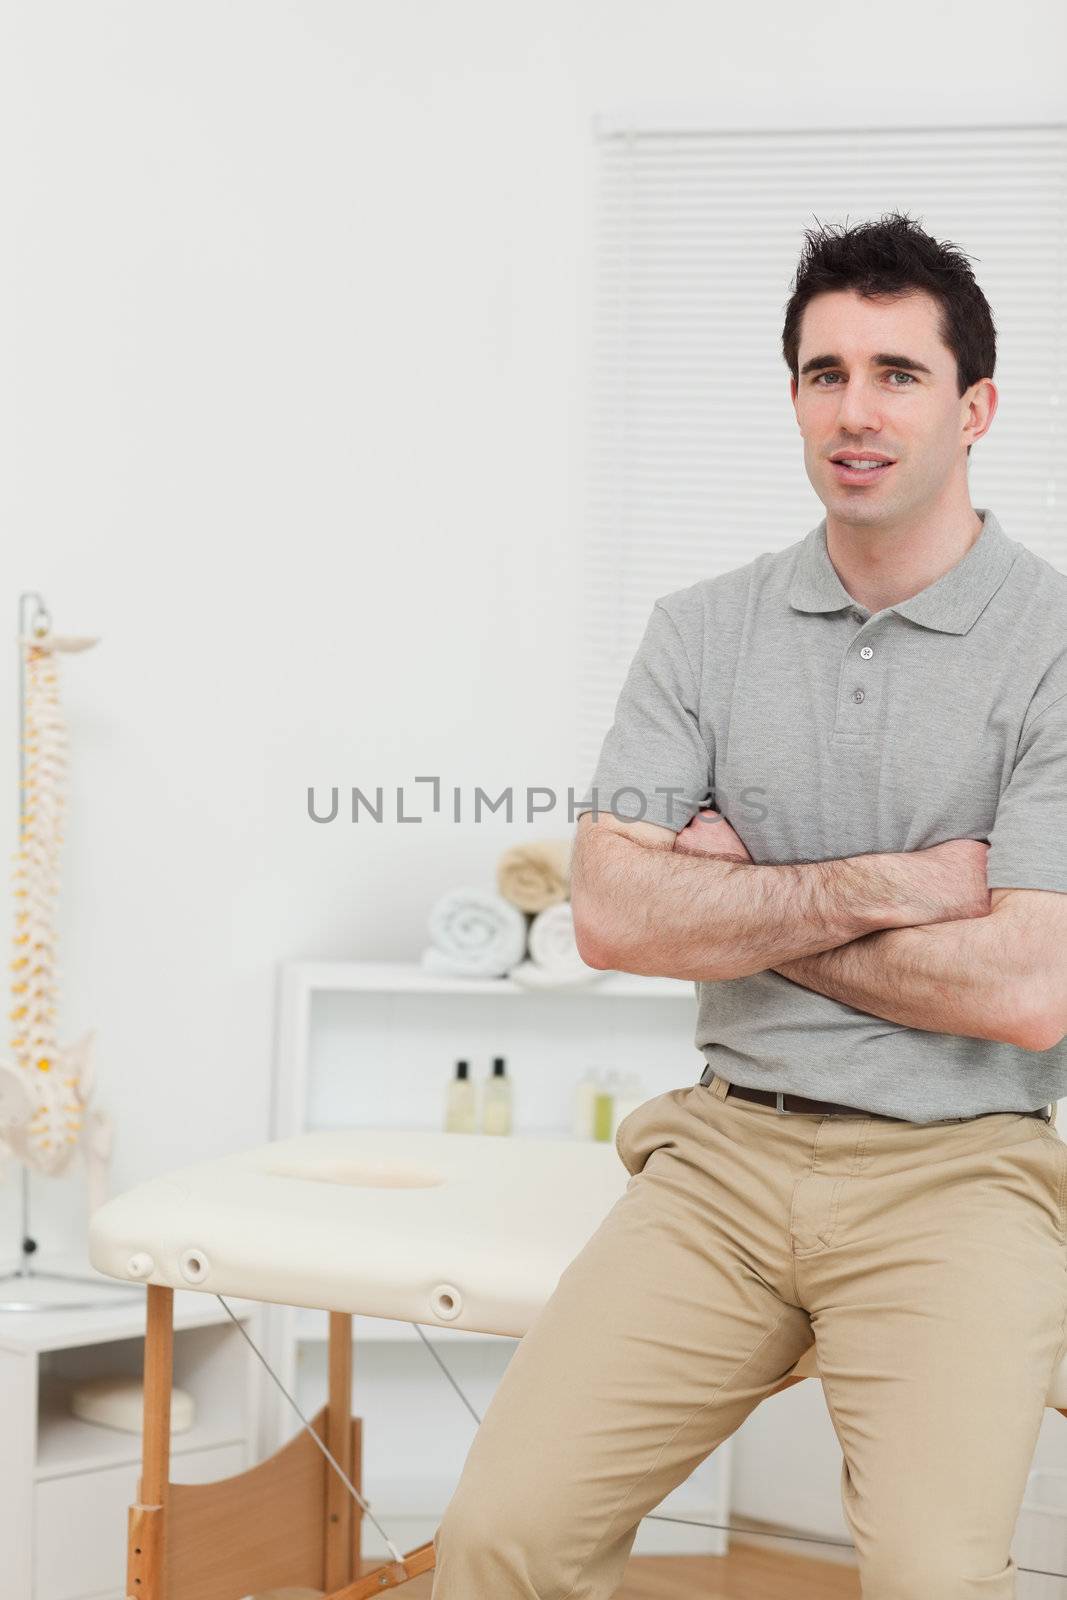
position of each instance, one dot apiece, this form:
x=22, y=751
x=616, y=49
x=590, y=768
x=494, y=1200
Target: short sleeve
x=1028, y=844
x=655, y=765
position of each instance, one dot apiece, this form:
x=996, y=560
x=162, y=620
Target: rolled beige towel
x=535, y=875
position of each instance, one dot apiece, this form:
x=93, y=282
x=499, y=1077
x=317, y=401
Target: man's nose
x=859, y=411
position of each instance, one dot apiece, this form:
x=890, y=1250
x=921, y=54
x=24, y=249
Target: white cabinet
x=79, y=1529
x=66, y=1484
x=373, y=1044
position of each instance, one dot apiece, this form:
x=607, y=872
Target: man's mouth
x=854, y=469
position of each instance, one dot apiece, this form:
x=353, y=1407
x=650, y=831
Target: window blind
x=695, y=461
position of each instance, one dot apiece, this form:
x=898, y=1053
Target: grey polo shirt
x=821, y=731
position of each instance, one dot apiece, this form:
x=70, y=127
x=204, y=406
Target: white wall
x=293, y=324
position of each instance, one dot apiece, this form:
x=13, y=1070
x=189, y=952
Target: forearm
x=948, y=977
x=667, y=914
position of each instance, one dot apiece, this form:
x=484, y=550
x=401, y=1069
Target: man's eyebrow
x=817, y=363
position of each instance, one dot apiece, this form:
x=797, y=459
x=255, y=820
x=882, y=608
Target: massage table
x=466, y=1231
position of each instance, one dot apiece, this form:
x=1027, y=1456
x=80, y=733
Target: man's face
x=854, y=400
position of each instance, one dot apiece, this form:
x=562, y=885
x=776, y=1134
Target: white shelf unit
x=301, y=981
x=66, y=1484
x=373, y=1044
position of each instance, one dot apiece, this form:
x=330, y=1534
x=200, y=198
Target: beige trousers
x=927, y=1261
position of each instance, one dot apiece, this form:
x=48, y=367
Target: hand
x=952, y=878
x=709, y=834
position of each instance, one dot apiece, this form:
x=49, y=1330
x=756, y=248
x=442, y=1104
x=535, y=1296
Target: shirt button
x=866, y=652
x=857, y=695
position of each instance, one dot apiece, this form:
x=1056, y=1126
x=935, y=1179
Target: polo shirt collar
x=951, y=604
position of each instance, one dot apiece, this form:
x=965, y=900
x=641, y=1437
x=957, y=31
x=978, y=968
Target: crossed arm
x=997, y=975
x=992, y=976
x=976, y=977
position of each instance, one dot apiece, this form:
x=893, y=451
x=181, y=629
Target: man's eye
x=897, y=372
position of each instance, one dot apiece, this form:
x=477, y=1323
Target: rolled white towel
x=554, y=959
x=474, y=933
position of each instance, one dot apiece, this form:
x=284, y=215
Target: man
x=874, y=913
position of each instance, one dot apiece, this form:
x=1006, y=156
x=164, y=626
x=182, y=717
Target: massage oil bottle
x=584, y=1101
x=604, y=1107
x=459, y=1109
x=496, y=1100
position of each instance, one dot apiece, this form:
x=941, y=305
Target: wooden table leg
x=340, y=1506
x=146, y=1547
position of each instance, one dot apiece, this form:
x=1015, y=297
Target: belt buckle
x=780, y=1103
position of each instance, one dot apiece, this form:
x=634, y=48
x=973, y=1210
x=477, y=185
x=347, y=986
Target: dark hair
x=895, y=256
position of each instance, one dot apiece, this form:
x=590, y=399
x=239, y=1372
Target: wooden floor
x=747, y=1573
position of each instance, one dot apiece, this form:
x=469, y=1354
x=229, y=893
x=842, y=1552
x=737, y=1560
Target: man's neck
x=881, y=566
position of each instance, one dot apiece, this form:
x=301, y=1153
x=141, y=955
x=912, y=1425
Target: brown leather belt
x=800, y=1102
x=820, y=1108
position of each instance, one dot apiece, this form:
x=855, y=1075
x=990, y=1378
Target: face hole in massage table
x=360, y=1174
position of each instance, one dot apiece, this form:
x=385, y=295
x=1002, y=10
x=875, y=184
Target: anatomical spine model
x=45, y=1090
